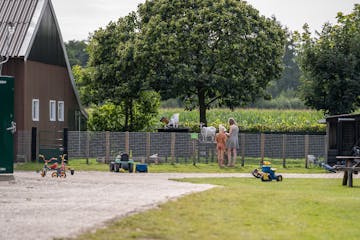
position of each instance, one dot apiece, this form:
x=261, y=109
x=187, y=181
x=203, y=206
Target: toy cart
x=267, y=173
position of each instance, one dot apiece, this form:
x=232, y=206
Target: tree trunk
x=126, y=125
x=202, y=107
x=131, y=111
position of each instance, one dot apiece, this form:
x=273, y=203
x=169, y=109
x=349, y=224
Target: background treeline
x=284, y=91
x=197, y=57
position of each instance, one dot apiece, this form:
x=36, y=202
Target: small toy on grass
x=267, y=173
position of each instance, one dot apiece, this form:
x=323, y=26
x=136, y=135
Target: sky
x=79, y=18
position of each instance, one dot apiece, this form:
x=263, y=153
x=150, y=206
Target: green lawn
x=247, y=208
x=293, y=166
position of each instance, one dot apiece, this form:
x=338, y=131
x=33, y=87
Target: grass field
x=293, y=166
x=247, y=208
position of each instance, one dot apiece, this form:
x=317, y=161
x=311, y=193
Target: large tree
x=117, y=75
x=209, y=52
x=330, y=63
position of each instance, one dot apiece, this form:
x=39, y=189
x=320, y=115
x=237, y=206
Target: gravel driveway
x=39, y=208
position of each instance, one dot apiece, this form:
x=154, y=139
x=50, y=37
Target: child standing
x=220, y=139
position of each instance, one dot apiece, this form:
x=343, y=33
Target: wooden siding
x=15, y=67
x=34, y=80
x=48, y=82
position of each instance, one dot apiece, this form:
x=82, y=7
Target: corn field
x=254, y=120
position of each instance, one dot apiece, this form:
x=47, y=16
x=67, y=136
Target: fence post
x=326, y=148
x=87, y=146
x=148, y=146
x=194, y=151
x=262, y=147
x=242, y=138
x=306, y=151
x=173, y=138
x=284, y=138
x=127, y=140
x=65, y=143
x=107, y=147
x=34, y=144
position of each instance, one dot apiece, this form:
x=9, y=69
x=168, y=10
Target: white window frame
x=61, y=110
x=52, y=110
x=35, y=110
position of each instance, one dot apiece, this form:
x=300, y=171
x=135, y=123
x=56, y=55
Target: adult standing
x=232, y=143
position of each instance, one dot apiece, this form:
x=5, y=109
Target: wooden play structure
x=343, y=139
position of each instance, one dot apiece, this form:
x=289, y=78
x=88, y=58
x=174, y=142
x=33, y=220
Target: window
x=61, y=111
x=52, y=110
x=35, y=109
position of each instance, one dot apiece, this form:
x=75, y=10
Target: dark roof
x=352, y=115
x=24, y=14
x=32, y=20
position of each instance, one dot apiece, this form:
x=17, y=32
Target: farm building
x=343, y=134
x=46, y=103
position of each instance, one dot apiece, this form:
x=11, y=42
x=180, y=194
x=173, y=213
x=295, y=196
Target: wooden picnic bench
x=351, y=166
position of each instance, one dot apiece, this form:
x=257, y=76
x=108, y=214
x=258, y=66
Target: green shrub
x=111, y=117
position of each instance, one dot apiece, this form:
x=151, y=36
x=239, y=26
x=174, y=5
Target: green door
x=7, y=124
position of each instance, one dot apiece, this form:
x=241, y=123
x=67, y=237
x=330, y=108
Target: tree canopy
x=211, y=53
x=208, y=53
x=116, y=74
x=330, y=63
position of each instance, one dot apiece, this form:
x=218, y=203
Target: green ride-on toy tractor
x=122, y=163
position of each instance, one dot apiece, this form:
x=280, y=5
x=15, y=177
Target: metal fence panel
x=317, y=146
x=273, y=145
x=160, y=144
x=295, y=146
x=138, y=144
x=181, y=147
x=252, y=145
